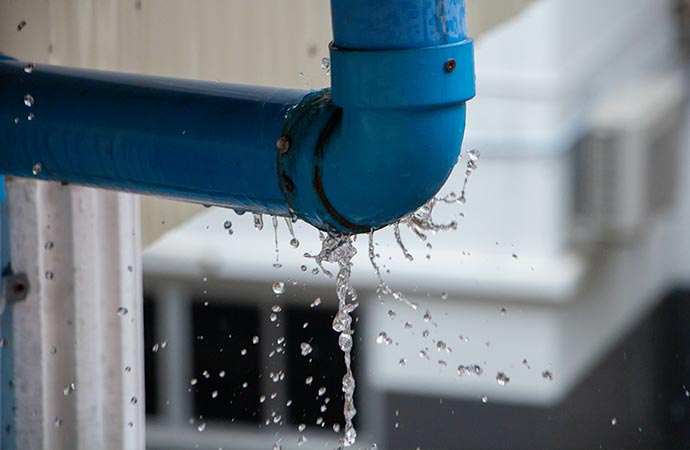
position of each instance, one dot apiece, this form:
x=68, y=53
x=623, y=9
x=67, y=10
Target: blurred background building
x=554, y=317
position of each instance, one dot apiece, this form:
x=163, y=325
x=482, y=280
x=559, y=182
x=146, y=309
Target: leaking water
x=340, y=249
x=258, y=222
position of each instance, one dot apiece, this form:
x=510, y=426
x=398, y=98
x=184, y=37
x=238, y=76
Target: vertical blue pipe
x=397, y=24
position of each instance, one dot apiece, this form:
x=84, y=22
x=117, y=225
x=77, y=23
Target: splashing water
x=473, y=156
x=274, y=222
x=421, y=222
x=383, y=288
x=294, y=243
x=398, y=239
x=340, y=249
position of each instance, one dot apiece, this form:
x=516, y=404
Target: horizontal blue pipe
x=203, y=142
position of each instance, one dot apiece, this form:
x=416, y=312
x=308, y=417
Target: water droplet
x=49, y=275
x=155, y=347
x=326, y=65
x=502, y=379
x=243, y=352
x=122, y=311
x=515, y=256
x=258, y=222
x=316, y=302
x=294, y=243
x=485, y=399
x=69, y=389
x=547, y=375
x=278, y=288
x=20, y=27
x=53, y=350
x=29, y=100
x=262, y=398
x=30, y=116
x=440, y=346
x=57, y=422
x=201, y=427
x=322, y=390
x=302, y=440
x=504, y=311
x=308, y=381
x=214, y=394
x=303, y=268
x=381, y=338
x=133, y=401
x=427, y=316
x=472, y=369
x=444, y=296
x=305, y=348
x=193, y=381
x=255, y=340
x=402, y=362
x=614, y=421
x=29, y=68
x=273, y=317
x=128, y=369
x=422, y=354
x=16, y=121
x=301, y=427
x=391, y=314
x=336, y=427
x=36, y=169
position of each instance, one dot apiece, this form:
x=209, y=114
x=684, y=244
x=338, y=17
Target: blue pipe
x=361, y=156
x=397, y=24
x=197, y=141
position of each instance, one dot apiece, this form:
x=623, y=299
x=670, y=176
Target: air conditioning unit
x=625, y=166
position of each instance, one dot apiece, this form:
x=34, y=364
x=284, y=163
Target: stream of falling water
x=340, y=249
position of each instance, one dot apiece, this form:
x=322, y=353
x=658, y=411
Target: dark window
x=221, y=334
x=325, y=364
x=150, y=363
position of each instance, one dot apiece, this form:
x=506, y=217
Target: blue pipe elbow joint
x=391, y=131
